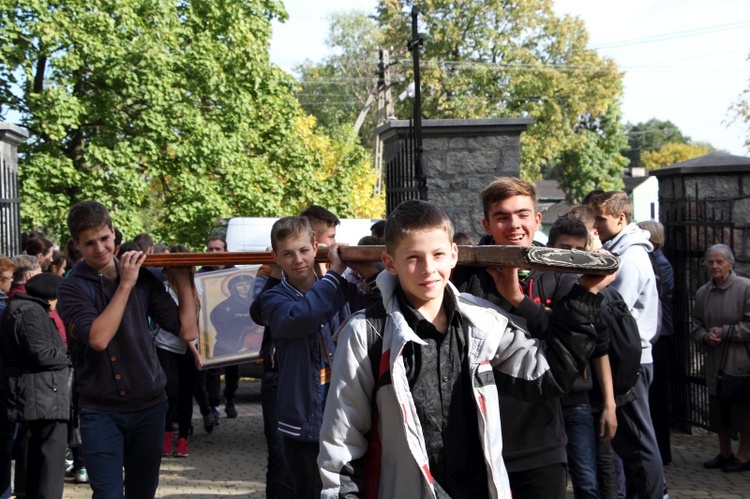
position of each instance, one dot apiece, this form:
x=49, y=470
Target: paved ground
x=230, y=462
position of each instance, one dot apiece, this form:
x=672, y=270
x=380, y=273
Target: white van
x=254, y=233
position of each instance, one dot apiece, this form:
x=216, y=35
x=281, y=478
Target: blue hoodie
x=636, y=282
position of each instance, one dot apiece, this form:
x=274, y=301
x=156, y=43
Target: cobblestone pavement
x=230, y=462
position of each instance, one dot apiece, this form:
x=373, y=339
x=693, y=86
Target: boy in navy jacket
x=302, y=312
x=105, y=304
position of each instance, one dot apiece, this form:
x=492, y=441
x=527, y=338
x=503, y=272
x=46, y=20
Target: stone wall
x=460, y=158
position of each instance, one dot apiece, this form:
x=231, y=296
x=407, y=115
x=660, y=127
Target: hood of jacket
x=632, y=235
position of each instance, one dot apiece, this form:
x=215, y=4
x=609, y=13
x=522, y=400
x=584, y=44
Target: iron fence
x=692, y=224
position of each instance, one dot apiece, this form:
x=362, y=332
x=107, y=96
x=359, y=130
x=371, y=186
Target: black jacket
x=35, y=365
x=127, y=375
x=533, y=432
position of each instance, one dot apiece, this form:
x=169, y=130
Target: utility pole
x=385, y=111
x=414, y=44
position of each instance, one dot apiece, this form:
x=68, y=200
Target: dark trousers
x=635, y=443
x=7, y=438
x=659, y=396
x=302, y=460
x=546, y=482
x=180, y=371
x=200, y=394
x=116, y=440
x=606, y=472
x=45, y=459
x=278, y=479
x=213, y=383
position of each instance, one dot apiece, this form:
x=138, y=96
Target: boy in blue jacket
x=302, y=313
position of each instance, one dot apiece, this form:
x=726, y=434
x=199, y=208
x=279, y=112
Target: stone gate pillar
x=460, y=157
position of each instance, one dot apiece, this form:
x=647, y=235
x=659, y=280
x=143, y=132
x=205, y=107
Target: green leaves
x=168, y=113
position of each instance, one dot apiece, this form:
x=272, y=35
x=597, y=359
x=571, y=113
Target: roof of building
x=714, y=162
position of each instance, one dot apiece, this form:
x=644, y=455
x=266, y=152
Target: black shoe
x=736, y=465
x=230, y=409
x=208, y=422
x=718, y=462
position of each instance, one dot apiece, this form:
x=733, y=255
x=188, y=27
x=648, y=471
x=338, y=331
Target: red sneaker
x=182, y=448
x=167, y=451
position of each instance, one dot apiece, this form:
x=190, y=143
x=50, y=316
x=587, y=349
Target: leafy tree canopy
x=493, y=58
x=487, y=59
x=673, y=152
x=169, y=113
x=336, y=89
x=651, y=136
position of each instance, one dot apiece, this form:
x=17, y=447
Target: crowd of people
x=409, y=377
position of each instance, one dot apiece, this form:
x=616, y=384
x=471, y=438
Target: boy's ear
x=388, y=262
x=454, y=255
x=486, y=226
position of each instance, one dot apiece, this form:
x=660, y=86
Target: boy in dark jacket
x=105, y=304
x=533, y=432
x=35, y=368
x=302, y=313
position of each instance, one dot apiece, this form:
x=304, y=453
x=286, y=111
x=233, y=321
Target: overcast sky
x=685, y=61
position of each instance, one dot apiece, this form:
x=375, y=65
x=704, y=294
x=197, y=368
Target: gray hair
x=724, y=250
x=23, y=264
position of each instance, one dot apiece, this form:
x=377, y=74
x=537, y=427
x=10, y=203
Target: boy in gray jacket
x=413, y=409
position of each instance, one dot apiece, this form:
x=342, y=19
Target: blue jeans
x=116, y=440
x=581, y=448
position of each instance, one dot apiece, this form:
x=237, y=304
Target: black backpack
x=624, y=344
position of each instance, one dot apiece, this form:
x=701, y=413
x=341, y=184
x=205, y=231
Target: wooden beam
x=534, y=257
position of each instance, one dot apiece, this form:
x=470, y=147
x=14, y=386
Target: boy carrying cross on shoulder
x=413, y=409
x=302, y=312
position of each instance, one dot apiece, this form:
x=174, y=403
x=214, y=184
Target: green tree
x=672, y=153
x=591, y=160
x=336, y=89
x=650, y=136
x=169, y=113
x=494, y=58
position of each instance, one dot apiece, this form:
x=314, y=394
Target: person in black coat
x=35, y=371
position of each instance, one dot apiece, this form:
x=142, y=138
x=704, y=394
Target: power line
x=675, y=35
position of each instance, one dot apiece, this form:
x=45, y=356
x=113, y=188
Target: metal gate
x=404, y=174
x=10, y=201
x=692, y=224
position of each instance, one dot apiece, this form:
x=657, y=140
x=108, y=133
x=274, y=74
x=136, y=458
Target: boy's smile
x=423, y=262
x=513, y=221
x=296, y=257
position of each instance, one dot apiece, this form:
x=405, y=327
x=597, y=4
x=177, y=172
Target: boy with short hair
x=413, y=409
x=635, y=441
x=302, y=312
x=323, y=223
x=584, y=426
x=105, y=304
x=534, y=438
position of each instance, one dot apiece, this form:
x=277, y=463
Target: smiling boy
x=413, y=409
x=105, y=304
x=302, y=313
x=534, y=437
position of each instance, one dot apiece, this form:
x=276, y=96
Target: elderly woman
x=722, y=304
